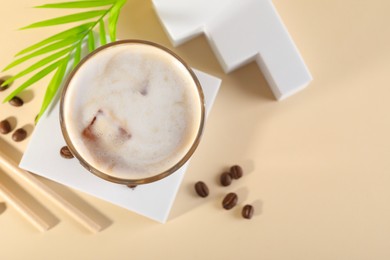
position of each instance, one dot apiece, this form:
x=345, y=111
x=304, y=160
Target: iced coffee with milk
x=132, y=112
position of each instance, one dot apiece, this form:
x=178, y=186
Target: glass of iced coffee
x=132, y=112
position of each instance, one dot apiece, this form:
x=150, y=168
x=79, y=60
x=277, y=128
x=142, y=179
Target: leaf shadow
x=27, y=95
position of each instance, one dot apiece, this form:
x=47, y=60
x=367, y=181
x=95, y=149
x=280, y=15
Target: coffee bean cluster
x=5, y=127
x=235, y=173
x=231, y=199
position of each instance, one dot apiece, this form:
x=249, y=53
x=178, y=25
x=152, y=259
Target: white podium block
x=239, y=31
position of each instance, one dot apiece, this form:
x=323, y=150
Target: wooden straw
x=72, y=210
x=13, y=196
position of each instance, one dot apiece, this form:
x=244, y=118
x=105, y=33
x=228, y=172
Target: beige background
x=316, y=165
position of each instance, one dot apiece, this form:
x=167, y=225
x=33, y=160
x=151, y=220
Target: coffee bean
x=5, y=127
x=230, y=201
x=19, y=135
x=236, y=172
x=201, y=189
x=247, y=211
x=66, y=153
x=225, y=179
x=132, y=186
x=2, y=88
x=16, y=101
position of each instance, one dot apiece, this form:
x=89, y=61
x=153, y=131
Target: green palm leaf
x=65, y=43
x=32, y=80
x=113, y=20
x=53, y=86
x=91, y=42
x=44, y=50
x=79, y=4
x=67, y=19
x=59, y=36
x=38, y=65
x=102, y=33
x=77, y=54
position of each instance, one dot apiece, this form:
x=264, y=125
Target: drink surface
x=132, y=111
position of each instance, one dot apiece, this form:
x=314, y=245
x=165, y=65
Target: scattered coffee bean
x=132, y=186
x=2, y=88
x=225, y=179
x=19, y=135
x=230, y=201
x=201, y=189
x=236, y=172
x=247, y=211
x=5, y=127
x=66, y=153
x=16, y=101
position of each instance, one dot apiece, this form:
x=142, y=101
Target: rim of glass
x=157, y=176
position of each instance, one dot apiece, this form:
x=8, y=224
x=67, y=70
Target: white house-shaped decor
x=239, y=31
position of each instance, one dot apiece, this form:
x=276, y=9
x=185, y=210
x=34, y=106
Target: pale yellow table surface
x=317, y=165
